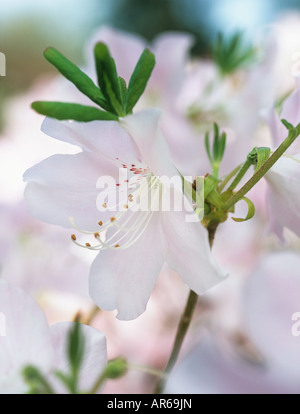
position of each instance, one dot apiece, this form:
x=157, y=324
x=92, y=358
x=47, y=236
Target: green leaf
x=123, y=89
x=72, y=72
x=72, y=111
x=36, y=381
x=107, y=78
x=75, y=348
x=251, y=211
x=221, y=146
x=216, y=142
x=231, y=53
x=207, y=148
x=139, y=79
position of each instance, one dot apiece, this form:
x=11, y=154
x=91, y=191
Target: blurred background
x=27, y=27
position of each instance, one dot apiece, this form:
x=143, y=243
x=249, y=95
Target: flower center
x=138, y=198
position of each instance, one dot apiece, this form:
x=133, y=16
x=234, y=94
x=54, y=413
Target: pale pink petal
x=186, y=145
x=27, y=338
x=209, y=370
x=284, y=197
x=188, y=253
x=124, y=279
x=271, y=298
x=95, y=353
x=171, y=53
x=64, y=186
x=277, y=129
x=144, y=128
x=106, y=137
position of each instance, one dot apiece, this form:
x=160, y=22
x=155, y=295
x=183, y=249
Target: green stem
x=228, y=178
x=183, y=326
x=240, y=175
x=147, y=370
x=293, y=134
x=99, y=382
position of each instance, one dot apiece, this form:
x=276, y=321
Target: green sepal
x=72, y=111
x=210, y=184
x=251, y=211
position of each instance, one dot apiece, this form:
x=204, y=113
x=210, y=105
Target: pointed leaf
x=70, y=111
x=72, y=72
x=107, y=77
x=139, y=79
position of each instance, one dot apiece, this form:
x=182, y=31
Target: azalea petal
x=144, y=128
x=106, y=137
x=124, y=279
x=26, y=341
x=188, y=253
x=171, y=53
x=208, y=369
x=64, y=186
x=95, y=353
x=284, y=199
x=272, y=296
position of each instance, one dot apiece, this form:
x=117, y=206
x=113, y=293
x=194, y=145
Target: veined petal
x=64, y=186
x=26, y=341
x=102, y=137
x=124, y=279
x=188, y=253
x=95, y=353
x=144, y=128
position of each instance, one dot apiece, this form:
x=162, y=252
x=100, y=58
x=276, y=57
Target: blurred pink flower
x=263, y=357
x=28, y=340
x=284, y=177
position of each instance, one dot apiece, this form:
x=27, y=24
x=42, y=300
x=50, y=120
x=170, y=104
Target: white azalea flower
x=137, y=243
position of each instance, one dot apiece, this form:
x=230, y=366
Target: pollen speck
x=73, y=237
x=117, y=245
x=125, y=206
x=100, y=223
x=112, y=219
x=96, y=234
x=87, y=244
x=104, y=205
